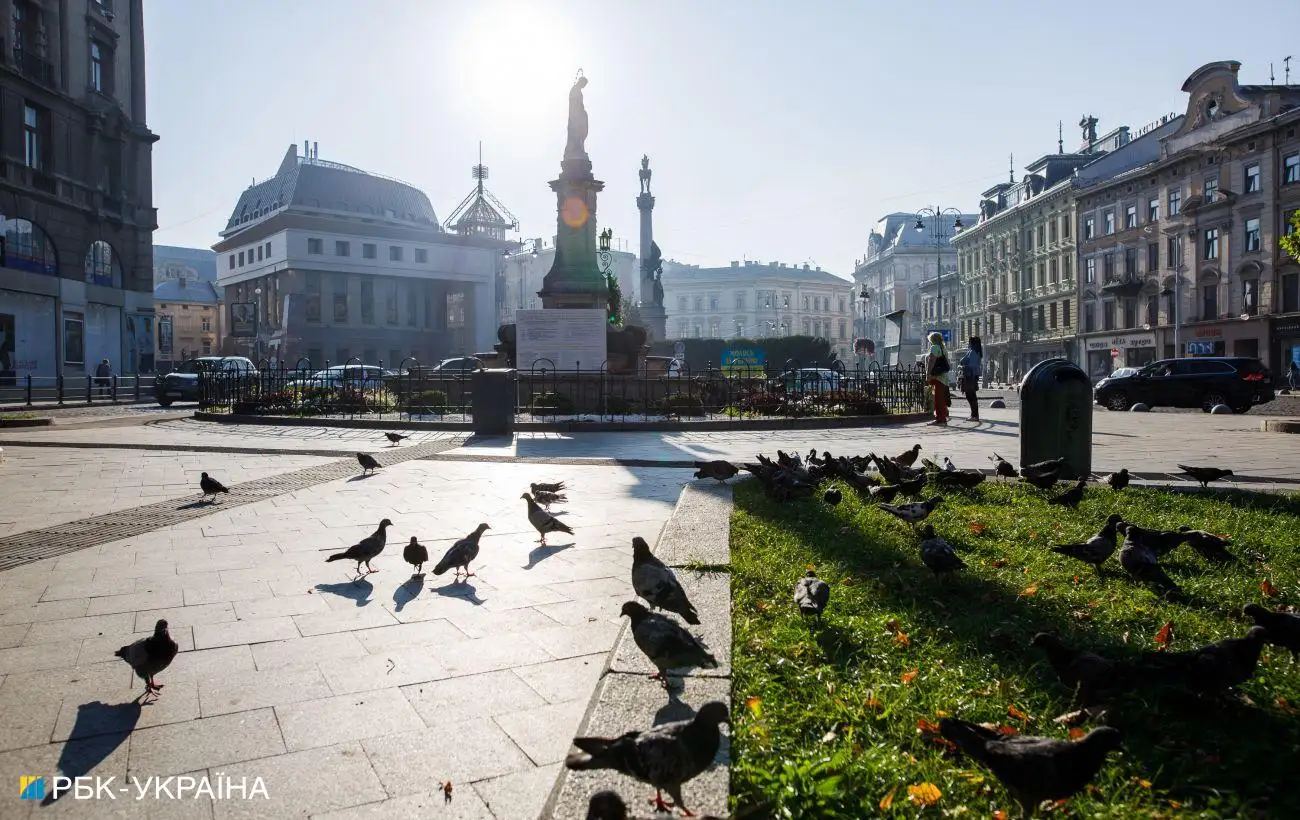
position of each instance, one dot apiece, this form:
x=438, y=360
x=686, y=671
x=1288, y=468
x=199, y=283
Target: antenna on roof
x=1286, y=61
x=1271, y=79
x=1011, y=168
x=1060, y=137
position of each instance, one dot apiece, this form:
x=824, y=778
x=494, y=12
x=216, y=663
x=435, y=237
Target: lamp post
x=938, y=234
x=864, y=299
x=257, y=324
x=1176, y=292
x=605, y=261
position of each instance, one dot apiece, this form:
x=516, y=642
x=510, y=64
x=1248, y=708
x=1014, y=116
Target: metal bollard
x=29, y=389
x=90, y=386
x=59, y=382
x=113, y=394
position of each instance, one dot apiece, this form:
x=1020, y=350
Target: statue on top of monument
x=645, y=174
x=575, y=146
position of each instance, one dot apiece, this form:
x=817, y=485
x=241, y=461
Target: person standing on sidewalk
x=972, y=368
x=103, y=372
x=936, y=374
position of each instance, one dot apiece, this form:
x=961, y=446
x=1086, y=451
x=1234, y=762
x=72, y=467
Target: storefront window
x=74, y=338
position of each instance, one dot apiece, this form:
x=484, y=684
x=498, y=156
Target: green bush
x=427, y=401
x=552, y=404
x=616, y=405
x=681, y=404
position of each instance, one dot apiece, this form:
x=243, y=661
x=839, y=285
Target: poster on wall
x=243, y=320
x=165, y=336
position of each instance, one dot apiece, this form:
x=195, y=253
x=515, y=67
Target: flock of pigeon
x=1035, y=769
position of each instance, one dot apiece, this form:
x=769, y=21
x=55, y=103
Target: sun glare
x=519, y=51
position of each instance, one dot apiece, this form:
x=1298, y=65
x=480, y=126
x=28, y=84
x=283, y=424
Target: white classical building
x=525, y=269
x=755, y=300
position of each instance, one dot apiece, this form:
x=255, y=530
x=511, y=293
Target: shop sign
x=1208, y=333
x=1286, y=327
x=1123, y=342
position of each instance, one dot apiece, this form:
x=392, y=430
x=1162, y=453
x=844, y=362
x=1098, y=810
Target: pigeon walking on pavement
x=666, y=643
x=811, y=594
x=1003, y=467
x=1071, y=497
x=658, y=584
x=1117, y=480
x=210, y=486
x=546, y=499
x=1283, y=627
x=938, y=554
x=543, y=521
x=415, y=554
x=913, y=513
x=547, y=487
x=149, y=656
x=395, y=438
x=367, y=463
x=1096, y=549
x=718, y=470
x=461, y=553
x=664, y=756
x=365, y=550
x=1205, y=474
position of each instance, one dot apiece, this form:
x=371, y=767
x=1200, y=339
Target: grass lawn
x=827, y=720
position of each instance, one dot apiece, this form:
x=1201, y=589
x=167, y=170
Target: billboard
x=243, y=320
x=165, y=336
x=742, y=361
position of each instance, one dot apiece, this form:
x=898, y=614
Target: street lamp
x=938, y=234
x=605, y=261
x=864, y=299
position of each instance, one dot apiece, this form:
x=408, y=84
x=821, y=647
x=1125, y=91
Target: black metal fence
x=28, y=391
x=547, y=393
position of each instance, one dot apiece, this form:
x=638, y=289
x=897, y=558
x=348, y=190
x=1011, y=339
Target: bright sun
x=519, y=51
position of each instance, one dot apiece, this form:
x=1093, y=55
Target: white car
x=810, y=380
x=351, y=375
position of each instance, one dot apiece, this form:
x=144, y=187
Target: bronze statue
x=652, y=270
x=575, y=147
x=644, y=174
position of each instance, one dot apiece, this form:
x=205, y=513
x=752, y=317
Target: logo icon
x=31, y=787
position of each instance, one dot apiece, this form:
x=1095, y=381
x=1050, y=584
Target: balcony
x=34, y=67
x=1126, y=286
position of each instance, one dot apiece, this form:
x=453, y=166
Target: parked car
x=351, y=375
x=461, y=366
x=182, y=384
x=809, y=380
x=1120, y=373
x=1237, y=381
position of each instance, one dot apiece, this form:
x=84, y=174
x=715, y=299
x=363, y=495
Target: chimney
x=805, y=266
x=315, y=150
x=735, y=263
x=306, y=150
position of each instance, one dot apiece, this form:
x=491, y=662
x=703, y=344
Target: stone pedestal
x=655, y=320
x=575, y=280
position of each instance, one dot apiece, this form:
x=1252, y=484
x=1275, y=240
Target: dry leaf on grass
x=908, y=677
x=1166, y=634
x=924, y=794
x=1266, y=587
x=888, y=800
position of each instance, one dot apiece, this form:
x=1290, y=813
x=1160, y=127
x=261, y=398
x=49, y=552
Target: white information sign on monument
x=563, y=338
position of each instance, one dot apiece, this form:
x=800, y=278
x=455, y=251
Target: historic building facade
x=76, y=189
x=1179, y=257
x=189, y=317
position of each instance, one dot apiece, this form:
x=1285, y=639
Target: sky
x=777, y=131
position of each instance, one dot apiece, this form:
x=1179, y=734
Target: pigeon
x=1096, y=549
x=1089, y=674
x=367, y=462
x=395, y=438
x=664, y=756
x=210, y=486
x=149, y=656
x=1139, y=560
x=1205, y=474
x=543, y=521
x=657, y=583
x=912, y=513
x=908, y=457
x=1212, y=669
x=1117, y=481
x=912, y=487
x=1210, y=547
x=811, y=594
x=948, y=465
x=1071, y=497
x=1051, y=466
x=938, y=554
x=365, y=550
x=717, y=470
x=884, y=492
x=1003, y=467
x=833, y=496
x=964, y=479
x=1034, y=769
x=547, y=499
x=1043, y=482
x=544, y=487
x=1283, y=627
x=930, y=466
x=666, y=643
x=459, y=554
x=415, y=554
x=888, y=470
x=1160, y=542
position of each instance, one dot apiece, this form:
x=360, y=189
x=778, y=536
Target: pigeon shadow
x=358, y=590
x=674, y=709
x=196, y=505
x=99, y=729
x=361, y=477
x=459, y=589
x=409, y=591
x=540, y=554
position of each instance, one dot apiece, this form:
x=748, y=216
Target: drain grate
x=61, y=539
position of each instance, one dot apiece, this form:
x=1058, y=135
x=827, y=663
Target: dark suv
x=182, y=384
x=1237, y=381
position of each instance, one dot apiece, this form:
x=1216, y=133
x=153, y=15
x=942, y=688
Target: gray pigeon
x=367, y=462
x=1283, y=627
x=149, y=656
x=415, y=554
x=938, y=554
x=811, y=594
x=545, y=487
x=913, y=513
x=666, y=643
x=210, y=486
x=1071, y=497
x=1205, y=474
x=1118, y=480
x=546, y=499
x=664, y=756
x=1096, y=549
x=1139, y=560
x=395, y=438
x=459, y=554
x=717, y=470
x=365, y=550
x=658, y=584
x=543, y=521
x=1210, y=546
x=1003, y=467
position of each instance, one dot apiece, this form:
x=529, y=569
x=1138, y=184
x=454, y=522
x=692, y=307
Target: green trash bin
x=1056, y=416
x=493, y=402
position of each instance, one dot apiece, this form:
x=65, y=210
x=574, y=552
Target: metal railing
x=28, y=391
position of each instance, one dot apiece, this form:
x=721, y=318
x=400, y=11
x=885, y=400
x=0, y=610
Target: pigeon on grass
x=664, y=756
x=1051, y=466
x=1209, y=546
x=658, y=584
x=367, y=463
x=210, y=487
x=1283, y=627
x=913, y=513
x=1160, y=542
x=666, y=643
x=938, y=554
x=461, y=553
x=1212, y=669
x=1091, y=676
x=1139, y=560
x=543, y=521
x=415, y=554
x=959, y=479
x=1003, y=467
x=365, y=550
x=395, y=438
x=1071, y=497
x=1118, y=480
x=149, y=656
x=908, y=457
x=811, y=594
x=1096, y=549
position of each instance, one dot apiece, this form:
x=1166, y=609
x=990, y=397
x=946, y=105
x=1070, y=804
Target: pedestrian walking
x=971, y=369
x=103, y=372
x=1293, y=375
x=936, y=374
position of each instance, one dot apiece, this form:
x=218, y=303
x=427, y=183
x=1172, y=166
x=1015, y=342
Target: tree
x=1291, y=241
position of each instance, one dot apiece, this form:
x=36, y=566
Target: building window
x=1291, y=292
x=342, y=248
x=1153, y=257
x=1250, y=296
x=1209, y=301
x=1067, y=268
x=207, y=347
x=699, y=304
x=1065, y=312
x=713, y=304
x=390, y=306
x=1065, y=227
x=1175, y=202
x=1107, y=315
x=681, y=304
x=316, y=247
x=1252, y=234
x=367, y=250
x=1130, y=261
x=207, y=324
x=313, y=296
x=1090, y=270
x=241, y=259
x=1153, y=209
x=268, y=250
x=412, y=307
x=340, y=303
x=34, y=123
x=101, y=68
x=232, y=261
x=1211, y=244
x=394, y=253
x=74, y=338
x=1252, y=178
x=421, y=256
x=1211, y=188
x=1131, y=216
x=1174, y=252
x=1291, y=168
x=1130, y=314
x=1089, y=318
x=101, y=267
x=1108, y=220
x=1052, y=317
x=1108, y=267
x=1153, y=310
x=259, y=253
x=740, y=301
x=1089, y=227
x=367, y=302
x=1051, y=231
x=805, y=303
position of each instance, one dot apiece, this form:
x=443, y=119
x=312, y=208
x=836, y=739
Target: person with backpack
x=936, y=375
x=972, y=368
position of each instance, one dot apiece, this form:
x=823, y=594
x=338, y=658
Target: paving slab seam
x=175, y=448
x=72, y=536
x=697, y=534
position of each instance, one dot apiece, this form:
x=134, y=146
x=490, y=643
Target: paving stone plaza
x=360, y=699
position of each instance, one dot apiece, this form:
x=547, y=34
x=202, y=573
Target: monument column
x=651, y=306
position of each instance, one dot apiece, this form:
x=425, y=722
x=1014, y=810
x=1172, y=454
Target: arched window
x=102, y=267
x=27, y=247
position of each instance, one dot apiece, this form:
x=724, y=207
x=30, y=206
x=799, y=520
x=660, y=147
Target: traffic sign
x=1114, y=352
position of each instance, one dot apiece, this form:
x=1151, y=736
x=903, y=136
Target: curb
x=1281, y=426
x=575, y=426
x=699, y=532
x=37, y=422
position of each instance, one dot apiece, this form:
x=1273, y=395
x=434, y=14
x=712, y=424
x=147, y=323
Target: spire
x=1011, y=168
x=481, y=213
x=1060, y=137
